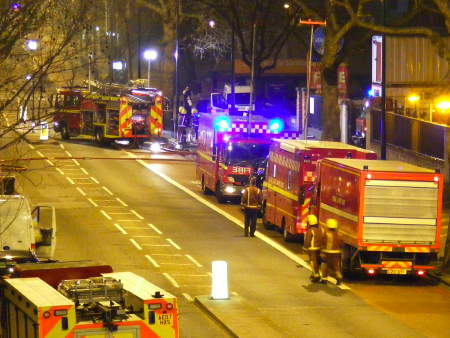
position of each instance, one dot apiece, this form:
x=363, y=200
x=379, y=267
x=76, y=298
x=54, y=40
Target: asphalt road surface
x=149, y=217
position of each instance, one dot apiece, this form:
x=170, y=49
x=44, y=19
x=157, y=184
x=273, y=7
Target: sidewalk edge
x=204, y=308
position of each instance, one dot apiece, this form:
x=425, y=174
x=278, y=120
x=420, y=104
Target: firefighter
x=251, y=204
x=313, y=243
x=331, y=252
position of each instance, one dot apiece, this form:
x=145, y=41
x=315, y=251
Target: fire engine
x=291, y=173
x=228, y=153
x=94, y=302
x=389, y=214
x=130, y=115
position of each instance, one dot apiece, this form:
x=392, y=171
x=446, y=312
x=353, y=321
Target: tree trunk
x=330, y=112
x=166, y=78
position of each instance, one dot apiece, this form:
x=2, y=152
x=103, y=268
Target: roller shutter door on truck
x=400, y=212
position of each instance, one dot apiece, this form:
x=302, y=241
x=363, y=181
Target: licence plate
x=165, y=319
x=396, y=271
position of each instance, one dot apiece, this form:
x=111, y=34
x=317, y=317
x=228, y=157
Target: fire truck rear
x=290, y=175
x=389, y=214
x=228, y=153
x=119, y=304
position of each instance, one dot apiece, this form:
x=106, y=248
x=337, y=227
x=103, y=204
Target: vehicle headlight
x=155, y=147
x=229, y=189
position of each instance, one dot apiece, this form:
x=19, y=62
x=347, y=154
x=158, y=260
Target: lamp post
x=32, y=46
x=150, y=55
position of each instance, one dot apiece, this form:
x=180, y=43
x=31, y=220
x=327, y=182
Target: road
x=121, y=212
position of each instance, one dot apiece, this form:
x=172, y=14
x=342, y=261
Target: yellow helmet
x=182, y=110
x=332, y=223
x=311, y=219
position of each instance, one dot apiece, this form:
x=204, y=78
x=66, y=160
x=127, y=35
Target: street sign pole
x=308, y=74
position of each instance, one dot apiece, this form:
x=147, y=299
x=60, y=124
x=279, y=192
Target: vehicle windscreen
x=246, y=154
x=239, y=98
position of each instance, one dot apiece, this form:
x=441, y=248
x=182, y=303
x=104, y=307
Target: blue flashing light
x=370, y=93
x=222, y=123
x=15, y=6
x=276, y=125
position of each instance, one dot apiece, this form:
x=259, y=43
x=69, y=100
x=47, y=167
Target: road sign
x=319, y=41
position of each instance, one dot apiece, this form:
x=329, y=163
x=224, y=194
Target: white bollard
x=219, y=288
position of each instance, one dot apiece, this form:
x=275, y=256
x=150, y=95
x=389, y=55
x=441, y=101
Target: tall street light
x=150, y=55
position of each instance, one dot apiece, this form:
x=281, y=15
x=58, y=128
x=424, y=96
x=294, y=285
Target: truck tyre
x=219, y=195
x=65, y=132
x=267, y=225
x=288, y=237
x=99, y=138
x=205, y=189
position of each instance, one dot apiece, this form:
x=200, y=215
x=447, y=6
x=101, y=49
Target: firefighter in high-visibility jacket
x=331, y=252
x=251, y=203
x=313, y=243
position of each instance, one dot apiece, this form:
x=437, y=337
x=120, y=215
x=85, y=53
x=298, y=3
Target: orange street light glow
x=413, y=98
x=443, y=105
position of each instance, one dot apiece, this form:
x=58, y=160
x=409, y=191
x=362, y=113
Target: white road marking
x=119, y=213
x=93, y=178
x=61, y=145
x=92, y=202
x=155, y=245
x=234, y=293
x=81, y=191
x=84, y=171
x=60, y=171
x=175, y=245
x=170, y=278
x=136, y=214
x=136, y=244
x=130, y=220
x=193, y=260
x=121, y=202
x=49, y=162
x=122, y=230
x=107, y=190
x=105, y=214
x=31, y=146
x=180, y=264
x=189, y=275
x=188, y=297
x=76, y=162
x=155, y=228
x=167, y=254
x=155, y=263
x=70, y=180
x=139, y=228
x=68, y=154
x=146, y=236
x=40, y=154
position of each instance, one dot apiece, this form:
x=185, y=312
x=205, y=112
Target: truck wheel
x=288, y=237
x=219, y=195
x=65, y=132
x=267, y=225
x=99, y=139
x=205, y=189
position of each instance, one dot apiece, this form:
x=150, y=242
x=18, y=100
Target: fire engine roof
x=137, y=285
x=293, y=145
x=380, y=165
x=38, y=292
x=138, y=99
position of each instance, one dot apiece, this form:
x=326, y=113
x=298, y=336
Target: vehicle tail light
x=420, y=273
x=371, y=272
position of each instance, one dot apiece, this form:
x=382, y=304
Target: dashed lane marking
x=40, y=154
x=189, y=275
x=92, y=202
x=31, y=146
x=50, y=162
x=68, y=154
x=193, y=260
x=135, y=228
x=175, y=245
x=188, y=297
x=151, y=260
x=129, y=220
x=167, y=254
x=121, y=202
x=106, y=215
x=61, y=145
x=156, y=245
x=107, y=190
x=136, y=214
x=93, y=178
x=178, y=264
x=171, y=279
x=122, y=230
x=146, y=236
x=136, y=244
x=155, y=228
x=84, y=171
x=81, y=191
x=76, y=162
x=70, y=180
x=60, y=171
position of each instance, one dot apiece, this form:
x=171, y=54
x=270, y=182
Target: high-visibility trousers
x=331, y=265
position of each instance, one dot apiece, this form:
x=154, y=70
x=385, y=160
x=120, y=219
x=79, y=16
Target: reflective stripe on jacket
x=251, y=198
x=313, y=238
x=331, y=243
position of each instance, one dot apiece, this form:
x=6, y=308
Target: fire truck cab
x=228, y=154
x=290, y=175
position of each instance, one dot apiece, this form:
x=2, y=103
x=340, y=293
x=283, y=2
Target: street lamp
x=150, y=55
x=414, y=98
x=32, y=45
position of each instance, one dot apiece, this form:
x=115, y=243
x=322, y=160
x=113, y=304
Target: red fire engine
x=133, y=115
x=228, y=154
x=389, y=214
x=290, y=175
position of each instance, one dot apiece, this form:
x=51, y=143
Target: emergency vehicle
x=131, y=115
x=389, y=213
x=289, y=178
x=107, y=304
x=228, y=154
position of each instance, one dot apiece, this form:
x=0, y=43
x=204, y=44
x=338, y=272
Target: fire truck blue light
x=276, y=125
